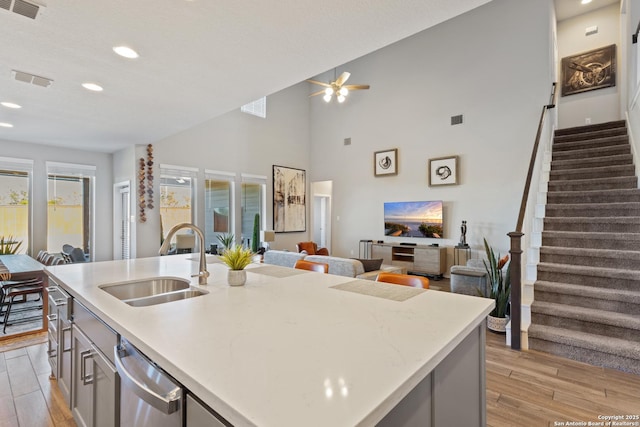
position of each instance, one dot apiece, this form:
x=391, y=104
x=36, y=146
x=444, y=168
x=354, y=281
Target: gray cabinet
x=96, y=385
x=64, y=358
x=199, y=415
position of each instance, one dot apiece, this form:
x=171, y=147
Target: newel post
x=516, y=288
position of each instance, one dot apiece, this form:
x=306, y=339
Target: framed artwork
x=385, y=162
x=443, y=171
x=595, y=69
x=289, y=199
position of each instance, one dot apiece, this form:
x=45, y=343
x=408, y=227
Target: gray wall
x=40, y=154
x=494, y=65
x=600, y=105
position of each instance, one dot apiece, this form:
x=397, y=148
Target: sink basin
x=168, y=297
x=145, y=288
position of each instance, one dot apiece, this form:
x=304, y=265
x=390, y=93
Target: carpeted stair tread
x=627, y=321
x=622, y=295
x=615, y=346
x=585, y=143
x=600, y=152
x=594, y=172
x=592, y=253
x=593, y=209
x=591, y=128
x=618, y=159
x=591, y=134
x=615, y=182
x=594, y=196
x=585, y=270
x=595, y=236
x=626, y=224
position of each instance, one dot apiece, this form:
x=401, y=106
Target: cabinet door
x=106, y=388
x=200, y=416
x=428, y=260
x=379, y=251
x=64, y=368
x=82, y=389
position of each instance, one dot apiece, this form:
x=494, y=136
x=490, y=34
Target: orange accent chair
x=311, y=248
x=404, y=279
x=312, y=266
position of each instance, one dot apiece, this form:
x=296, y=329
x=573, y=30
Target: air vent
x=456, y=120
x=21, y=7
x=21, y=76
x=347, y=141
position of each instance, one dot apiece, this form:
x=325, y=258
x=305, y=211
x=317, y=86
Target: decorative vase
x=497, y=324
x=237, y=277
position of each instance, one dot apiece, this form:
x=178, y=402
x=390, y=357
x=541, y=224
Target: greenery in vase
x=226, y=240
x=255, y=239
x=8, y=245
x=499, y=282
x=237, y=258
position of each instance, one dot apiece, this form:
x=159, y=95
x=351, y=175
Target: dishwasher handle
x=168, y=404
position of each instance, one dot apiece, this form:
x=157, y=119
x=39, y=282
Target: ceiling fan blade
x=356, y=87
x=320, y=92
x=315, y=82
x=342, y=78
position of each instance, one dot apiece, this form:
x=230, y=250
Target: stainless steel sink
x=154, y=291
x=162, y=298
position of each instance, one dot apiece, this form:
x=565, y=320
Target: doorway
x=122, y=221
x=321, y=213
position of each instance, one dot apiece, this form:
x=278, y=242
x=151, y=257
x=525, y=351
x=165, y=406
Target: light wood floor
x=525, y=388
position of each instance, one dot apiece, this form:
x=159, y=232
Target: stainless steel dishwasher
x=148, y=396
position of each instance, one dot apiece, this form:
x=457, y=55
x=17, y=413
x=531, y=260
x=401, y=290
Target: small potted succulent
x=237, y=258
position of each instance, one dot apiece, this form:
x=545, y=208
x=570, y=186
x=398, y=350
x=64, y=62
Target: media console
x=424, y=259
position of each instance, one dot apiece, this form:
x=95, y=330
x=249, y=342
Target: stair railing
x=516, y=236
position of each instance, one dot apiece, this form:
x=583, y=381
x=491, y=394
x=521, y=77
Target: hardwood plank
x=559, y=384
x=58, y=409
x=497, y=368
x=504, y=412
x=32, y=410
x=21, y=376
x=596, y=407
x=22, y=340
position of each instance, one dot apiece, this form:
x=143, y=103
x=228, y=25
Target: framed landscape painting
x=289, y=199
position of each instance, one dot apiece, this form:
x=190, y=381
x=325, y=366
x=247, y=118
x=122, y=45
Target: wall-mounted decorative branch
x=149, y=176
x=141, y=190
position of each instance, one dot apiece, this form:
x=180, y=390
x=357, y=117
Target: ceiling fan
x=336, y=87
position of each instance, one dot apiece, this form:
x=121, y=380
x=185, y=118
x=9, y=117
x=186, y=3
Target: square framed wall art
x=289, y=199
x=385, y=163
x=443, y=171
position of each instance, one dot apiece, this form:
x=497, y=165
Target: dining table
x=23, y=267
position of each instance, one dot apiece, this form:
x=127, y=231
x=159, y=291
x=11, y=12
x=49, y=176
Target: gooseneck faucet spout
x=203, y=274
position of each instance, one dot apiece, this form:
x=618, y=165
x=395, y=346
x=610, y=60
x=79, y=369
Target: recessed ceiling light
x=92, y=86
x=585, y=1
x=10, y=105
x=6, y=125
x=126, y=52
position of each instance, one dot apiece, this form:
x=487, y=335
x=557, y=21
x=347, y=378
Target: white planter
x=497, y=324
x=236, y=277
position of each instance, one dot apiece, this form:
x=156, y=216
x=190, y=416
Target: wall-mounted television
x=413, y=219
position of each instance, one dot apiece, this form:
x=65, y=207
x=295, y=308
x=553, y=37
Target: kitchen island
x=293, y=348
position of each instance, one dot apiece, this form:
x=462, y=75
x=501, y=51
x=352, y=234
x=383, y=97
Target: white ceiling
x=199, y=59
x=569, y=8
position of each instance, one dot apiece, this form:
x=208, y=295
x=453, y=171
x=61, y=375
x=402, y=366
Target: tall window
x=218, y=205
x=252, y=202
x=177, y=196
x=15, y=184
x=70, y=189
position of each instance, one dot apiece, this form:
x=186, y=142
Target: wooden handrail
x=516, y=236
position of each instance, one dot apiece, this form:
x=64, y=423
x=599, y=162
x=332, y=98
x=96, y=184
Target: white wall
x=239, y=143
x=492, y=65
x=599, y=105
x=40, y=154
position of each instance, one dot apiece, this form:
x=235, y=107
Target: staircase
x=587, y=292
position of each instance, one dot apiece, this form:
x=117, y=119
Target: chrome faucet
x=203, y=274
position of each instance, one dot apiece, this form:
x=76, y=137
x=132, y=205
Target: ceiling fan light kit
x=336, y=87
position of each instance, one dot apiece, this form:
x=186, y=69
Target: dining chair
x=404, y=279
x=12, y=289
x=312, y=266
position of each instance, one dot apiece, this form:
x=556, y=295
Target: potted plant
x=8, y=245
x=236, y=258
x=499, y=288
x=226, y=240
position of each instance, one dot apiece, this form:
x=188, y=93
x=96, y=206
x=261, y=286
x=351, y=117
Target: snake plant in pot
x=499, y=288
x=237, y=258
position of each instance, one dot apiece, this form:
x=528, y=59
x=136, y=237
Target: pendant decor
x=141, y=192
x=145, y=189
x=149, y=176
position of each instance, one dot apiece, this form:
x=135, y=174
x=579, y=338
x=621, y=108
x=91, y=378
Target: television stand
x=424, y=259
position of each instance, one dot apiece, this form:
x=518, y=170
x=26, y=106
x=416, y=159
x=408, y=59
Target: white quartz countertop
x=281, y=351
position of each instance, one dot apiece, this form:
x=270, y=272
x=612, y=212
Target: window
x=252, y=203
x=15, y=189
x=218, y=205
x=70, y=189
x=177, y=196
x=257, y=108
